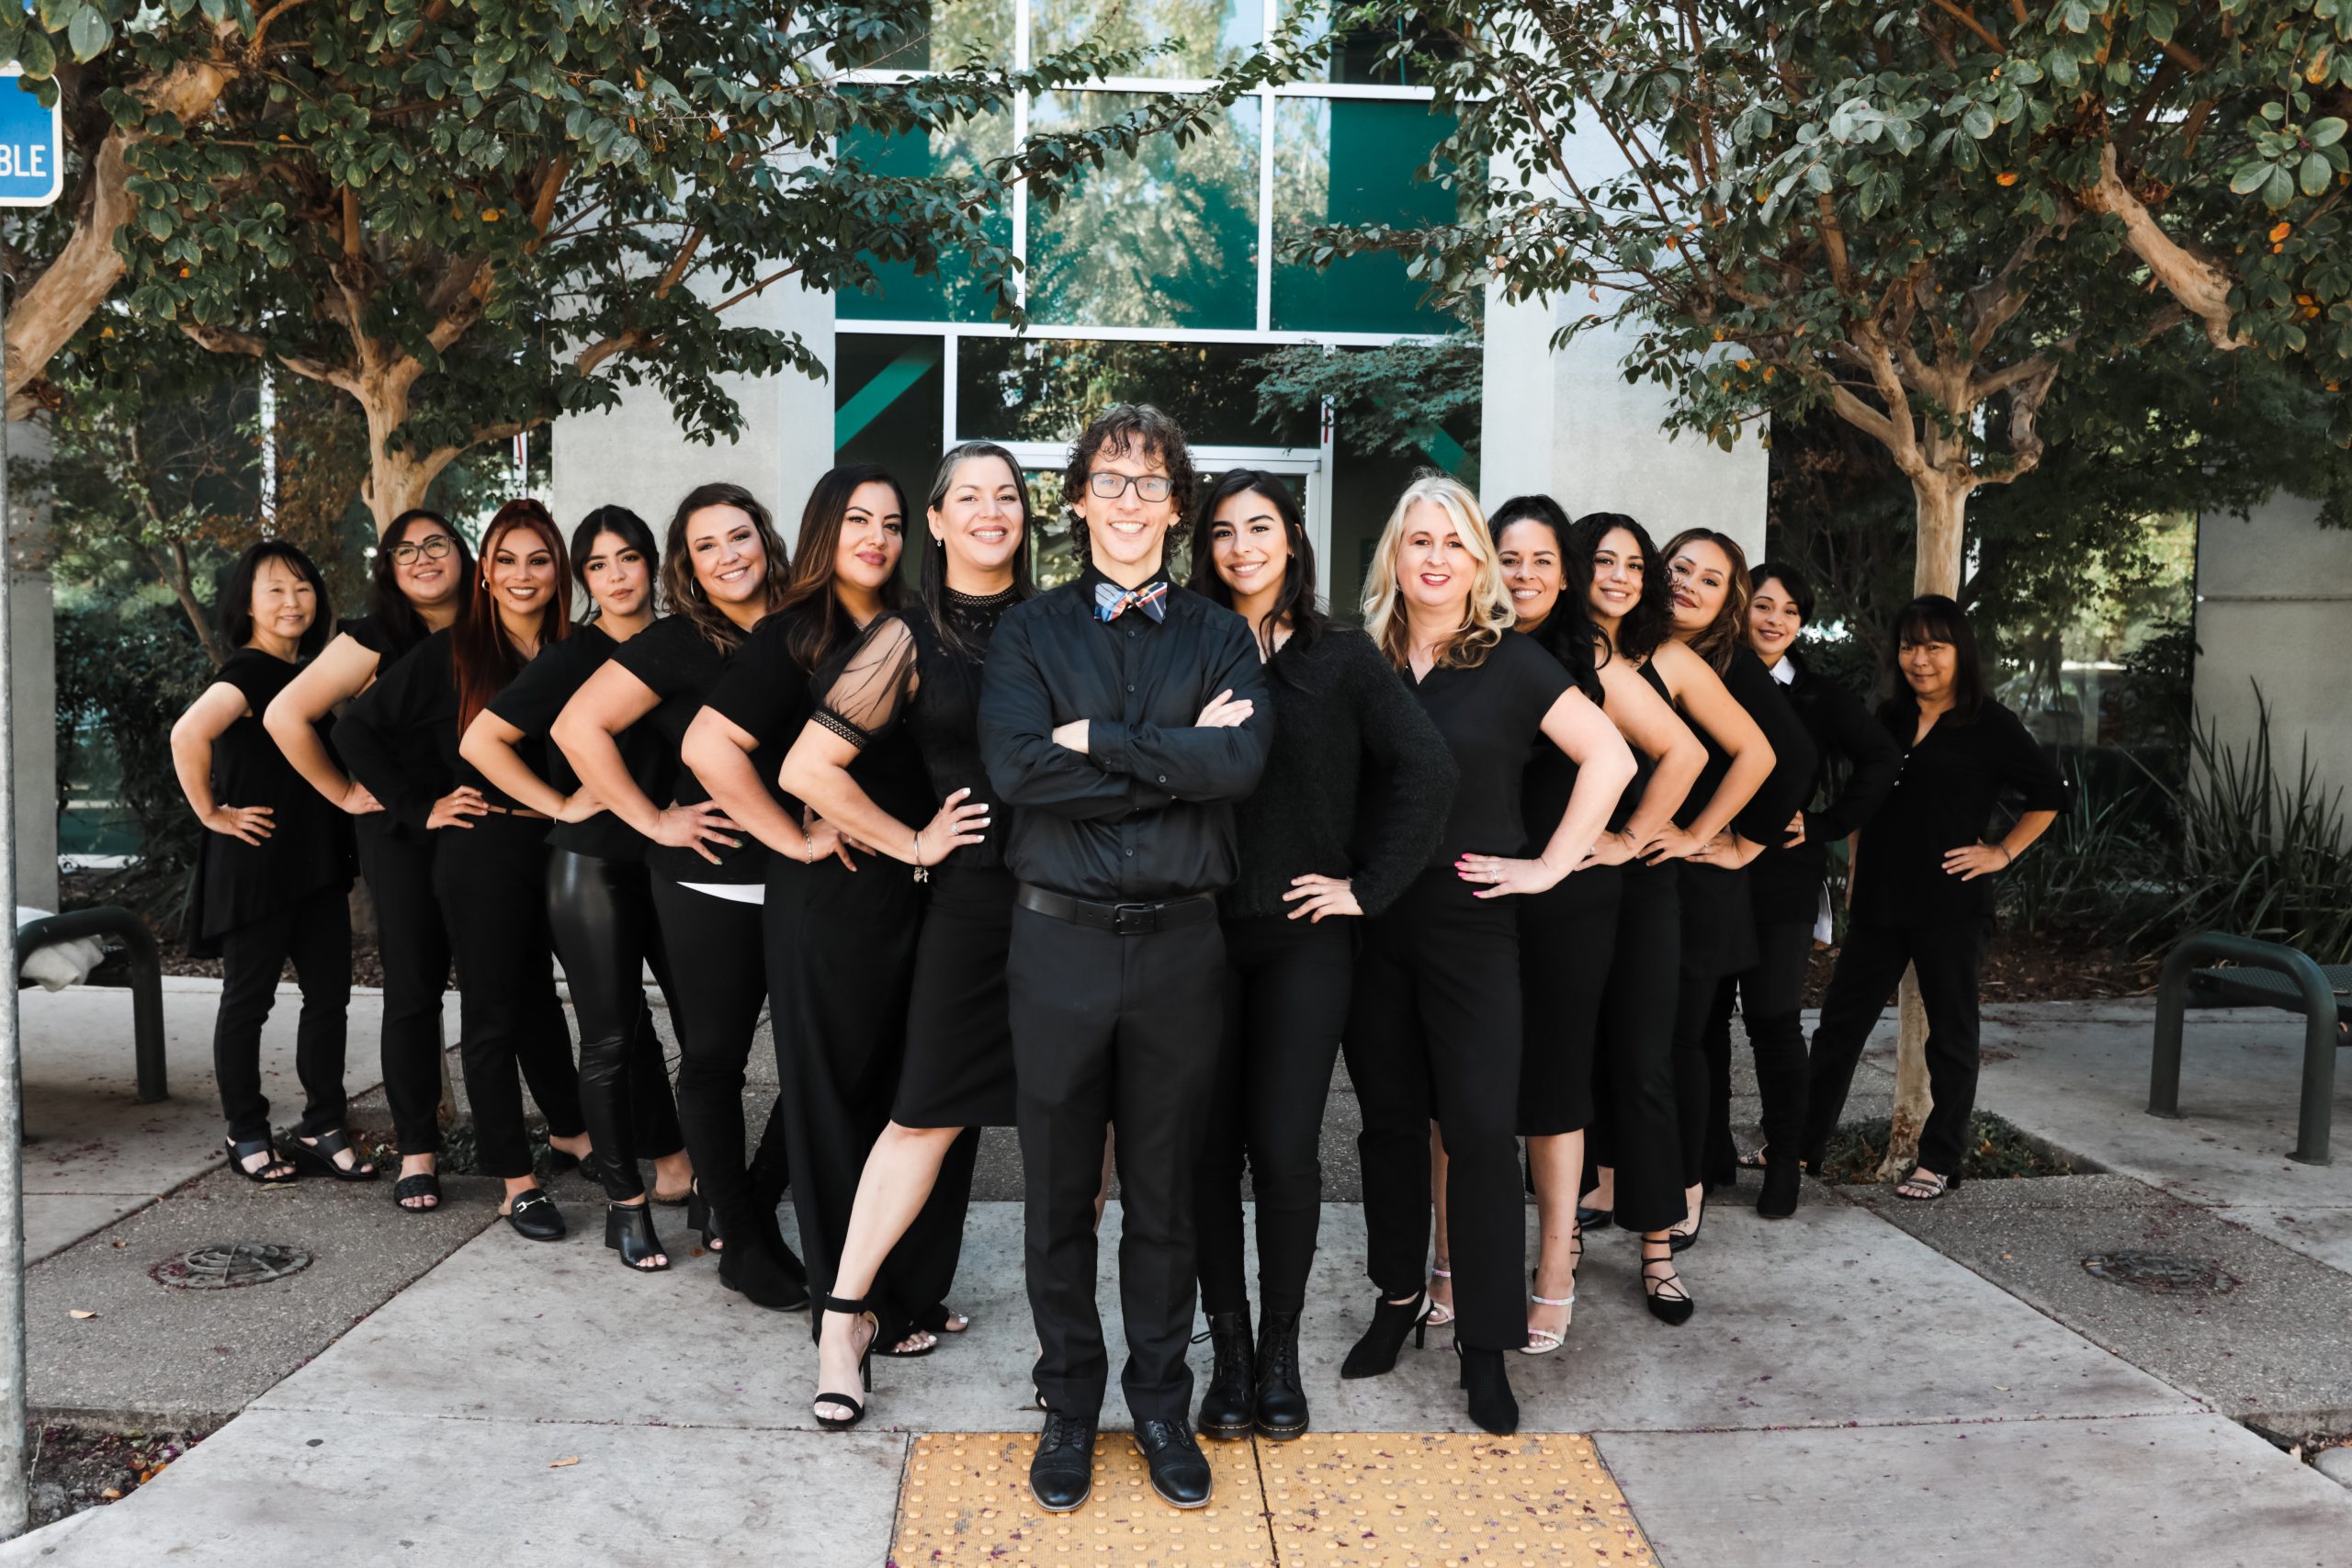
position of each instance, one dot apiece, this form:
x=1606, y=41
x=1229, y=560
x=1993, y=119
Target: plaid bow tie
x=1110, y=604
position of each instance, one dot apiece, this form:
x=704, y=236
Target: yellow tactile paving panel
x=966, y=1500
x=1406, y=1500
x=1328, y=1500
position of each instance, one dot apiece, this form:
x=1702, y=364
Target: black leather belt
x=1120, y=919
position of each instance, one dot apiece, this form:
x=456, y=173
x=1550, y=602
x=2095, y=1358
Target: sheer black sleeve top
x=1357, y=784
x=1490, y=714
x=1943, y=798
x=531, y=701
x=911, y=703
x=310, y=842
x=1858, y=760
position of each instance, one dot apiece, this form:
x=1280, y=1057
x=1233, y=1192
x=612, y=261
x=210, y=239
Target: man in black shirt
x=1118, y=717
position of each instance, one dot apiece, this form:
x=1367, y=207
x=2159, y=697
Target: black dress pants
x=1287, y=984
x=1434, y=1031
x=1567, y=938
x=1637, y=1132
x=1770, y=996
x=840, y=949
x=494, y=896
x=413, y=944
x=1870, y=968
x=1718, y=938
x=719, y=972
x=314, y=931
x=601, y=914
x=1123, y=1031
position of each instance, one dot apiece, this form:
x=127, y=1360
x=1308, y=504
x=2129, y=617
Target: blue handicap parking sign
x=32, y=169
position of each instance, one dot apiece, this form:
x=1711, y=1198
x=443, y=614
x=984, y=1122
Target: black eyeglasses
x=434, y=548
x=1110, y=486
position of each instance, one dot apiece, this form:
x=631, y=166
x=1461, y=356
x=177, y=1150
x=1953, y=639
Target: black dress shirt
x=1145, y=811
x=1942, y=800
x=1787, y=882
x=401, y=738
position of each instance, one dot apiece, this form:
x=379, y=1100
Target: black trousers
x=1718, y=938
x=1434, y=1031
x=1870, y=968
x=493, y=898
x=601, y=914
x=1567, y=938
x=840, y=949
x=314, y=931
x=1637, y=1133
x=412, y=943
x=1770, y=996
x=1287, y=984
x=720, y=974
x=1117, y=1030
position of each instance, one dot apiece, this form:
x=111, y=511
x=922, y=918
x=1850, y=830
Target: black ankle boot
x=1783, y=1182
x=1376, y=1352
x=762, y=1277
x=1226, y=1407
x=1492, y=1404
x=1281, y=1402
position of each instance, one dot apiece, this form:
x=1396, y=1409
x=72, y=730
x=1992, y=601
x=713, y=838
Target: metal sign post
x=31, y=175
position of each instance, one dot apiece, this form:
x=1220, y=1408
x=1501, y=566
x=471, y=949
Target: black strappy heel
x=854, y=1309
x=319, y=1155
x=259, y=1175
x=1376, y=1352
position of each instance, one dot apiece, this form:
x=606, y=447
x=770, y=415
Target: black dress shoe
x=1180, y=1472
x=1228, y=1406
x=1061, y=1474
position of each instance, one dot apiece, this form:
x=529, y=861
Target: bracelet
x=2008, y=857
x=923, y=872
x=807, y=847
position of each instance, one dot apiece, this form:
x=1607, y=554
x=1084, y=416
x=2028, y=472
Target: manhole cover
x=227, y=1265
x=2161, y=1273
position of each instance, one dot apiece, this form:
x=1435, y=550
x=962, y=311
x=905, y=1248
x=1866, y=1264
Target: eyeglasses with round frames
x=1148, y=487
x=409, y=553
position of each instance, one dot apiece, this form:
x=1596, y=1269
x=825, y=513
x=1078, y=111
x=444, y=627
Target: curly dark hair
x=1145, y=431
x=1651, y=620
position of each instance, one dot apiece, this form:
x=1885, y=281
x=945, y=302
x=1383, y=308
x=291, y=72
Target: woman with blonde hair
x=1435, y=1025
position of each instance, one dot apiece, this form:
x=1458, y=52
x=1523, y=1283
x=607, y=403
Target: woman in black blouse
x=1346, y=815
x=838, y=934
x=919, y=669
x=722, y=571
x=1916, y=887
x=401, y=738
x=600, y=898
x=419, y=584
x=272, y=876
x=1788, y=884
x=1435, y=1020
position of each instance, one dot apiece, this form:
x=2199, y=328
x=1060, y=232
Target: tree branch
x=2200, y=286
x=1967, y=19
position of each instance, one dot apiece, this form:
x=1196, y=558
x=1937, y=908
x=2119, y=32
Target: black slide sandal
x=423, y=1184
x=260, y=1177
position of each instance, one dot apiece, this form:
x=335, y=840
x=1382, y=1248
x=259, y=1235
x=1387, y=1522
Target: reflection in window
x=889, y=405
x=1356, y=58
x=957, y=32
x=1052, y=542
x=1167, y=239
x=1210, y=34
x=1046, y=389
x=1351, y=161
x=948, y=292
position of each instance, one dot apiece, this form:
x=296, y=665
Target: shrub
x=125, y=674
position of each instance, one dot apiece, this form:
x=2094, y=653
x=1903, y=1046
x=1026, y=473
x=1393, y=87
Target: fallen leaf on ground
x=77, y=1311
x=566, y=1460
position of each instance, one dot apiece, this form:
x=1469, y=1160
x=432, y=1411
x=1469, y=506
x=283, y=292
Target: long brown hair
x=820, y=625
x=682, y=592
x=1722, y=639
x=483, y=657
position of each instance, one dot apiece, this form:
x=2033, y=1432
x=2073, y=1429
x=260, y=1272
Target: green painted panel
x=1339, y=161
x=947, y=293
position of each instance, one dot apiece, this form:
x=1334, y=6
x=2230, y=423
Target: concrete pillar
x=2274, y=614
x=635, y=456
x=32, y=679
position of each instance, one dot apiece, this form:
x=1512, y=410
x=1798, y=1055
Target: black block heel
x=700, y=1217
x=1376, y=1352
x=628, y=1230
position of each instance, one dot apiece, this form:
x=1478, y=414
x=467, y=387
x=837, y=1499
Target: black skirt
x=958, y=1069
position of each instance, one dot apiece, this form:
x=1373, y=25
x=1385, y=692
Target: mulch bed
x=72, y=1468
x=2021, y=968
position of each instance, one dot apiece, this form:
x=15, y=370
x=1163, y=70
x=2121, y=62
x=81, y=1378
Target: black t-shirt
x=1490, y=714
x=309, y=846
x=682, y=667
x=531, y=704
x=401, y=735
x=1943, y=799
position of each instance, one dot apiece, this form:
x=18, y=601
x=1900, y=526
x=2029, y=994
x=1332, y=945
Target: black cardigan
x=1787, y=882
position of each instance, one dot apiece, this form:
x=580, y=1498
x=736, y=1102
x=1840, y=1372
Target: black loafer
x=535, y=1216
x=1061, y=1475
x=1180, y=1473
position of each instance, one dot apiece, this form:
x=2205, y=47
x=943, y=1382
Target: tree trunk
x=397, y=480
x=1943, y=511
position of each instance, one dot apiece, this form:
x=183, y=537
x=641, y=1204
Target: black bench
x=139, y=957
x=2255, y=974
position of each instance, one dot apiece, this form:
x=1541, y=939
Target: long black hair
x=1932, y=617
x=1296, y=604
x=1651, y=620
x=403, y=628
x=932, y=585
x=237, y=597
x=821, y=628
x=632, y=531
x=1567, y=634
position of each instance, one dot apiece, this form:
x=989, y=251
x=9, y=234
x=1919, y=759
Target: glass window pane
x=1167, y=239
x=948, y=292
x=1356, y=58
x=886, y=404
x=1046, y=389
x=1209, y=34
x=1352, y=161
x=957, y=31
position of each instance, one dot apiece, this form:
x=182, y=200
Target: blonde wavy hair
x=1488, y=613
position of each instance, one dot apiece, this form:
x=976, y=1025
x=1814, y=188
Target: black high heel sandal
x=259, y=1175
x=856, y=1408
x=1376, y=1352
x=1683, y=1241
x=1492, y=1404
x=1674, y=1309
x=701, y=1219
x=319, y=1155
x=628, y=1230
